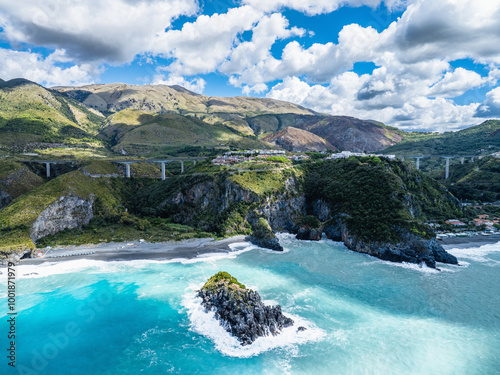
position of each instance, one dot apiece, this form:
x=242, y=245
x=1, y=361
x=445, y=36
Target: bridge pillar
x=402, y=158
x=472, y=159
x=447, y=173
x=182, y=166
x=194, y=162
x=127, y=170
x=418, y=161
x=462, y=160
x=163, y=171
x=47, y=168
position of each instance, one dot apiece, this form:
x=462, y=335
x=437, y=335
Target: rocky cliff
x=228, y=204
x=410, y=248
x=67, y=212
x=241, y=311
x=373, y=206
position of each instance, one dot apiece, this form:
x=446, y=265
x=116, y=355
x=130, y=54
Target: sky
x=424, y=65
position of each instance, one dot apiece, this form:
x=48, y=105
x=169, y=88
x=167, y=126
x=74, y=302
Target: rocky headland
x=240, y=310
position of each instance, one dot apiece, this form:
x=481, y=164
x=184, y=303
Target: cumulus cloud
x=340, y=97
x=456, y=83
x=314, y=7
x=113, y=30
x=247, y=54
x=491, y=106
x=200, y=46
x=450, y=29
x=36, y=68
x=197, y=84
x=412, y=85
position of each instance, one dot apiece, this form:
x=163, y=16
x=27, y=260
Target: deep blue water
x=364, y=316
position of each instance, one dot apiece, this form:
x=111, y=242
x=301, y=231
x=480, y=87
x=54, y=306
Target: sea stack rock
x=240, y=310
x=263, y=236
x=310, y=229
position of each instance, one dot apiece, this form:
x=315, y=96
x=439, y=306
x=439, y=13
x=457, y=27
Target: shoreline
x=468, y=242
x=136, y=250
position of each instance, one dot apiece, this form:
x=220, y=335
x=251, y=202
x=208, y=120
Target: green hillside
x=136, y=132
x=29, y=113
x=475, y=181
x=476, y=140
x=376, y=197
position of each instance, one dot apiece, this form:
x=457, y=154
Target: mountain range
x=149, y=119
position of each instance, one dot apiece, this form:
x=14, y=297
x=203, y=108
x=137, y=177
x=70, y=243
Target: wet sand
x=135, y=250
x=468, y=242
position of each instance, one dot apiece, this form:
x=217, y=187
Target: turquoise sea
x=363, y=315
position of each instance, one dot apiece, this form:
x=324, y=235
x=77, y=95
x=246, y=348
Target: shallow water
x=363, y=315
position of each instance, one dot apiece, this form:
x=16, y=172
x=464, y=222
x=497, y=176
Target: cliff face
x=66, y=213
x=410, y=249
x=379, y=222
x=227, y=204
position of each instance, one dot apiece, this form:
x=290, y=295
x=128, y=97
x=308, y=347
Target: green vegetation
x=134, y=130
x=476, y=140
x=31, y=113
x=377, y=198
x=310, y=221
x=16, y=179
x=123, y=228
x=262, y=230
x=221, y=278
x=160, y=200
x=475, y=182
x=265, y=183
x=277, y=159
x=110, y=198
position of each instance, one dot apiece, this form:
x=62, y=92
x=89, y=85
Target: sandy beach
x=135, y=250
x=468, y=242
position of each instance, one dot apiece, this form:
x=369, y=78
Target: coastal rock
x=263, y=236
x=310, y=228
x=240, y=310
x=307, y=233
x=65, y=213
x=411, y=249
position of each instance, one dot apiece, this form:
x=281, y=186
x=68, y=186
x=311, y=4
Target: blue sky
x=429, y=65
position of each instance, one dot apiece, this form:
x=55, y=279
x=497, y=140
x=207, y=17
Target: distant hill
x=298, y=140
x=248, y=116
x=162, y=99
x=475, y=181
x=139, y=132
x=476, y=140
x=32, y=113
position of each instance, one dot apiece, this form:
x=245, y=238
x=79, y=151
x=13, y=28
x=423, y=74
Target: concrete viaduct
x=127, y=163
x=447, y=158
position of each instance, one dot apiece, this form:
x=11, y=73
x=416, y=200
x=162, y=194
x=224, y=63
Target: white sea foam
x=477, y=254
x=100, y=266
x=207, y=325
x=421, y=267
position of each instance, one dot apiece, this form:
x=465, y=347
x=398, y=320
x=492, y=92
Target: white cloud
x=258, y=89
x=197, y=85
x=447, y=29
x=314, y=7
x=340, y=98
x=410, y=87
x=112, y=30
x=456, y=83
x=200, y=46
x=42, y=70
x=264, y=35
x=491, y=106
